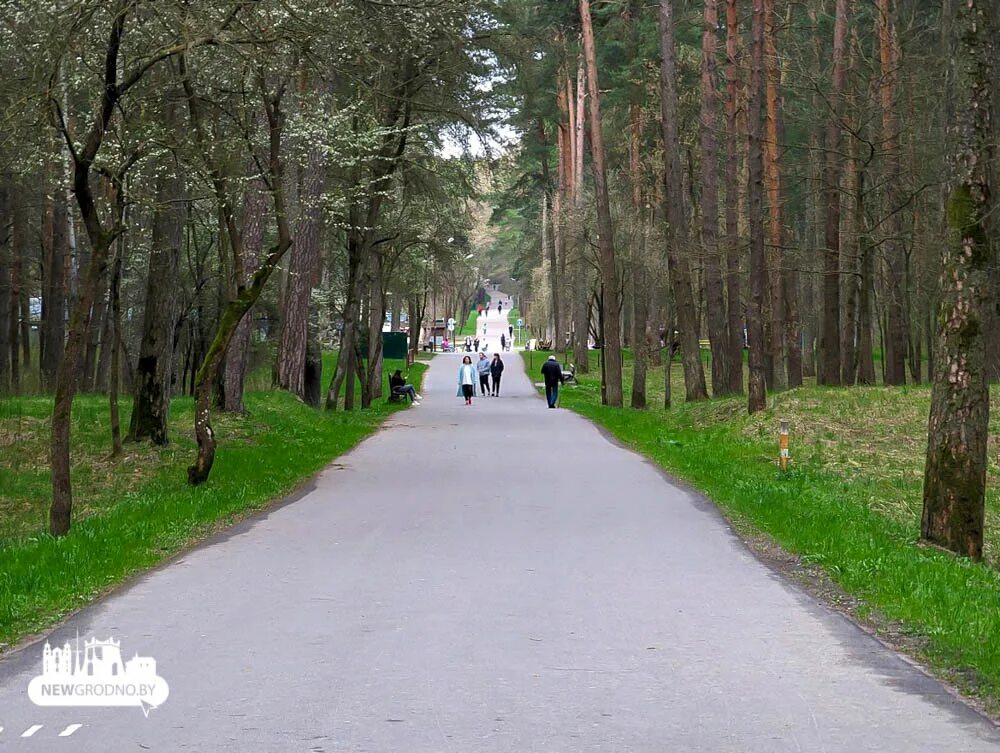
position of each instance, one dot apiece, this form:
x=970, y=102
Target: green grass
x=849, y=504
x=468, y=327
x=132, y=512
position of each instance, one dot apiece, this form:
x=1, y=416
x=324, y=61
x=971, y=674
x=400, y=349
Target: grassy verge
x=848, y=507
x=134, y=511
x=468, y=327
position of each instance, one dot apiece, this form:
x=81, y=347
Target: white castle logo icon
x=96, y=676
x=100, y=660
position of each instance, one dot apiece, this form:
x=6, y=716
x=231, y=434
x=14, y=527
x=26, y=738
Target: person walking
x=475, y=344
x=552, y=372
x=483, y=366
x=496, y=371
x=467, y=380
x=468, y=343
x=499, y=308
x=398, y=385
x=503, y=341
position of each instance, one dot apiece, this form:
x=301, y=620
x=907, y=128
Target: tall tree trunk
x=678, y=241
x=345, y=361
x=896, y=327
x=6, y=262
x=829, y=366
x=114, y=342
x=958, y=429
x=772, y=176
x=54, y=290
x=104, y=354
x=237, y=362
x=640, y=266
x=757, y=396
x=549, y=248
x=18, y=288
x=733, y=250
x=850, y=261
x=611, y=331
x=303, y=270
x=376, y=317
x=715, y=306
x=97, y=319
x=151, y=399
x=581, y=283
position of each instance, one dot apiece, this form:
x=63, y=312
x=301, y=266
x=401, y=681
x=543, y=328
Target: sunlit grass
x=135, y=510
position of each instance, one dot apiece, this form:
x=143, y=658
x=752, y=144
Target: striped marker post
x=783, y=445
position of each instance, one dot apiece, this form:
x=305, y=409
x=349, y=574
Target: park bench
x=569, y=374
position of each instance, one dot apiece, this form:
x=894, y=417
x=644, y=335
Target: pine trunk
x=896, y=326
x=611, y=329
x=53, y=337
x=715, y=306
x=829, y=348
x=678, y=242
x=303, y=268
x=958, y=429
x=757, y=395
x=151, y=400
x=6, y=262
x=733, y=249
x=777, y=276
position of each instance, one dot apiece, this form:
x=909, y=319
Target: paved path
x=497, y=578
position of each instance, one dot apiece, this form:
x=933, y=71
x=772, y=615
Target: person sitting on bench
x=398, y=385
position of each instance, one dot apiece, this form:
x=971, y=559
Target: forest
x=778, y=194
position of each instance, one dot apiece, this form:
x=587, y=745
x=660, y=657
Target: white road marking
x=70, y=730
x=31, y=730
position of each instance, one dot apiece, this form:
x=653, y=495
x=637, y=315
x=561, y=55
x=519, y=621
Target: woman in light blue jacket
x=467, y=376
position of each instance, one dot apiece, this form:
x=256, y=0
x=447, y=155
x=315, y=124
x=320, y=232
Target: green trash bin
x=394, y=344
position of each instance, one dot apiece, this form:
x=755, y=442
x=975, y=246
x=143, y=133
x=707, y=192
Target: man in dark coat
x=552, y=372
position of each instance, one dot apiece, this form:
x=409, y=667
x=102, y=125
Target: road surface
x=498, y=578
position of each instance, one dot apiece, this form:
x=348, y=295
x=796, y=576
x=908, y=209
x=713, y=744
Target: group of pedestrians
x=487, y=372
x=484, y=311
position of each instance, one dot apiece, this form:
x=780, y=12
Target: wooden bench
x=569, y=374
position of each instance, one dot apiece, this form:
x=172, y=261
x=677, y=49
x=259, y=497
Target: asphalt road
x=498, y=577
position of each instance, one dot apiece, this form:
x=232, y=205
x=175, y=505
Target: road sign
x=451, y=327
x=520, y=322
x=451, y=322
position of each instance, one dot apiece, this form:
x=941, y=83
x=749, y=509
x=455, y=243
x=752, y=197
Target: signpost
x=520, y=323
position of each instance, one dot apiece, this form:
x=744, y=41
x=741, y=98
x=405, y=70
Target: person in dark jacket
x=483, y=367
x=398, y=385
x=496, y=371
x=552, y=372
